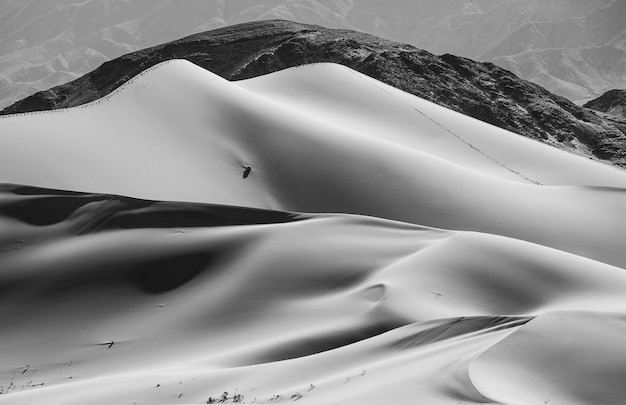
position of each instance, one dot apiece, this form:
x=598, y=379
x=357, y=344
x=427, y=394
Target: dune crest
x=181, y=133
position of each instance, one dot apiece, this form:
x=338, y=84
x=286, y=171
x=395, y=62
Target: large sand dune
x=435, y=259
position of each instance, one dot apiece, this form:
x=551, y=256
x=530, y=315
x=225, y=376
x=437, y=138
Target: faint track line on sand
x=457, y=136
x=475, y=148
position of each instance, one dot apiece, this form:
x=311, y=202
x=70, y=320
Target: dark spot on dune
x=246, y=172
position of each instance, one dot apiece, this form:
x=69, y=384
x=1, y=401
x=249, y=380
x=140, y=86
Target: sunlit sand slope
x=114, y=300
x=341, y=143
x=332, y=240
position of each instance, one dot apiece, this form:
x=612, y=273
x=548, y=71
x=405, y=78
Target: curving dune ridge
x=381, y=249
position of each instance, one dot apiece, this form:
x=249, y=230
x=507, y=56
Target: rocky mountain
x=481, y=90
x=611, y=106
x=612, y=102
x=47, y=43
x=578, y=57
x=574, y=48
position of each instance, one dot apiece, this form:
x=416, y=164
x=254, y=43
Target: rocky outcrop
x=612, y=102
x=611, y=106
x=481, y=90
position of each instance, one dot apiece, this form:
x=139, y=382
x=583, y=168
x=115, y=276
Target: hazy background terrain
x=574, y=48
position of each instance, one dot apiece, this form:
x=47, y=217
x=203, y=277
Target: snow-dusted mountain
x=435, y=257
x=574, y=48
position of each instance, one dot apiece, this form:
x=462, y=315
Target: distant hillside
x=481, y=90
x=574, y=48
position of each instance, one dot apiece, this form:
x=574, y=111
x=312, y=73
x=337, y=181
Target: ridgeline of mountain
x=573, y=48
x=611, y=106
x=481, y=90
x=612, y=102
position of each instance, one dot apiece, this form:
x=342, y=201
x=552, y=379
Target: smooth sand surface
x=381, y=249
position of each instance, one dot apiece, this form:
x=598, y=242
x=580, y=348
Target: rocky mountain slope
x=47, y=43
x=574, y=48
x=481, y=90
x=612, y=102
x=611, y=106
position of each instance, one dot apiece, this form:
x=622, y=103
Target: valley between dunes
x=382, y=249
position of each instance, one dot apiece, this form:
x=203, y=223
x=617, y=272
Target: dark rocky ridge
x=481, y=90
x=612, y=102
x=612, y=107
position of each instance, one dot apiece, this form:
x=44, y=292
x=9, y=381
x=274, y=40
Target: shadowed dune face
x=42, y=210
x=115, y=296
x=61, y=214
x=90, y=212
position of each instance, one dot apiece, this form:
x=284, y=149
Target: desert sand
x=380, y=249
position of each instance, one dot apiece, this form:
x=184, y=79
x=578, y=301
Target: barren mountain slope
x=612, y=102
x=47, y=43
x=574, y=48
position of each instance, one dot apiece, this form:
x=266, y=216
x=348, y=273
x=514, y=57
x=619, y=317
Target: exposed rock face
x=481, y=90
x=612, y=107
x=612, y=102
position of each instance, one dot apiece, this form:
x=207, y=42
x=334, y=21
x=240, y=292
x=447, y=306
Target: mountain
x=612, y=102
x=574, y=48
x=480, y=90
x=578, y=58
x=44, y=44
x=309, y=235
x=611, y=106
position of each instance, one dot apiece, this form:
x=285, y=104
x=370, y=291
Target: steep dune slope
x=181, y=133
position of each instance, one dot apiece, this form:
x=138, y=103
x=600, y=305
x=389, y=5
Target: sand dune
x=105, y=294
x=381, y=249
x=181, y=133
x=560, y=358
